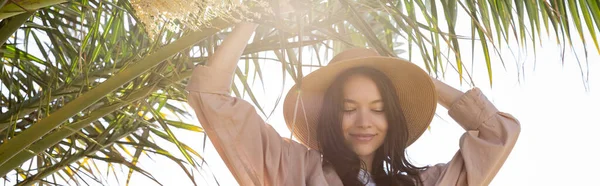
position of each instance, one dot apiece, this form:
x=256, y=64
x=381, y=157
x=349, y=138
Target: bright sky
x=555, y=110
x=557, y=145
x=549, y=97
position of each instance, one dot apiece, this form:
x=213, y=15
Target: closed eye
x=349, y=110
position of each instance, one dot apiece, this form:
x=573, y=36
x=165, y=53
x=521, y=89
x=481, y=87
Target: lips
x=362, y=137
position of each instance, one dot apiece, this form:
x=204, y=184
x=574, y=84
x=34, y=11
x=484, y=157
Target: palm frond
x=86, y=82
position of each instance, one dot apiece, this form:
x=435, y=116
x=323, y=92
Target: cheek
x=347, y=122
x=382, y=126
x=348, y=119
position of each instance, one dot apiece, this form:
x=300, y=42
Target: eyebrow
x=372, y=102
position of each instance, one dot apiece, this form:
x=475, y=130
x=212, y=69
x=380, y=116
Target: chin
x=363, y=152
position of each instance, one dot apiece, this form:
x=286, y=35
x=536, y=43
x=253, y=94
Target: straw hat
x=416, y=93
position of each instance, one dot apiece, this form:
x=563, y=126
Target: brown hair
x=390, y=164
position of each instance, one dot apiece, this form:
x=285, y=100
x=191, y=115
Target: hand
x=228, y=54
x=285, y=7
x=447, y=94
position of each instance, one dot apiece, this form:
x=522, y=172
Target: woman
x=355, y=118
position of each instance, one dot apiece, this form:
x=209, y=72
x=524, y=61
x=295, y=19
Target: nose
x=362, y=120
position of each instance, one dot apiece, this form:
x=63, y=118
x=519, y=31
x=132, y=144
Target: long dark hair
x=390, y=165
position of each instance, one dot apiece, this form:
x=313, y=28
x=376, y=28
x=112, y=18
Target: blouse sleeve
x=252, y=150
x=489, y=138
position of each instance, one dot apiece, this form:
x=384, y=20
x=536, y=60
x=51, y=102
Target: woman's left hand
x=446, y=94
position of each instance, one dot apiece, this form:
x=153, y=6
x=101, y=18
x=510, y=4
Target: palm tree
x=100, y=81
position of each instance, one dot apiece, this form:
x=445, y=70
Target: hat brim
x=416, y=94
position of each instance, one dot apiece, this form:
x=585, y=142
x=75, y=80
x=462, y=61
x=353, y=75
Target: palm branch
x=88, y=81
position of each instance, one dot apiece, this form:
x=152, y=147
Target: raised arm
x=229, y=52
x=446, y=94
x=489, y=138
x=252, y=150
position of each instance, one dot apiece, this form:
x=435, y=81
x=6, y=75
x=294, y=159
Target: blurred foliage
x=84, y=82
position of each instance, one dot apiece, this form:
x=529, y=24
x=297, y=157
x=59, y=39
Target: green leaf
x=588, y=21
x=17, y=144
x=11, y=25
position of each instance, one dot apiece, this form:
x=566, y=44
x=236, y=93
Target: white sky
x=557, y=145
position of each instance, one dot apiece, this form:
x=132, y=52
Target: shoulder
x=308, y=155
x=432, y=173
x=313, y=168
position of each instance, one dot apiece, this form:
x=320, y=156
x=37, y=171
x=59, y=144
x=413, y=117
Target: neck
x=368, y=159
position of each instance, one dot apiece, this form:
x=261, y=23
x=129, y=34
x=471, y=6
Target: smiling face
x=364, y=124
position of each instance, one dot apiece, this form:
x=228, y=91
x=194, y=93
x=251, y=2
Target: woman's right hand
x=285, y=8
x=229, y=52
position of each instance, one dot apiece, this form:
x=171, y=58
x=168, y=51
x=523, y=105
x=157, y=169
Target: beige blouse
x=257, y=155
